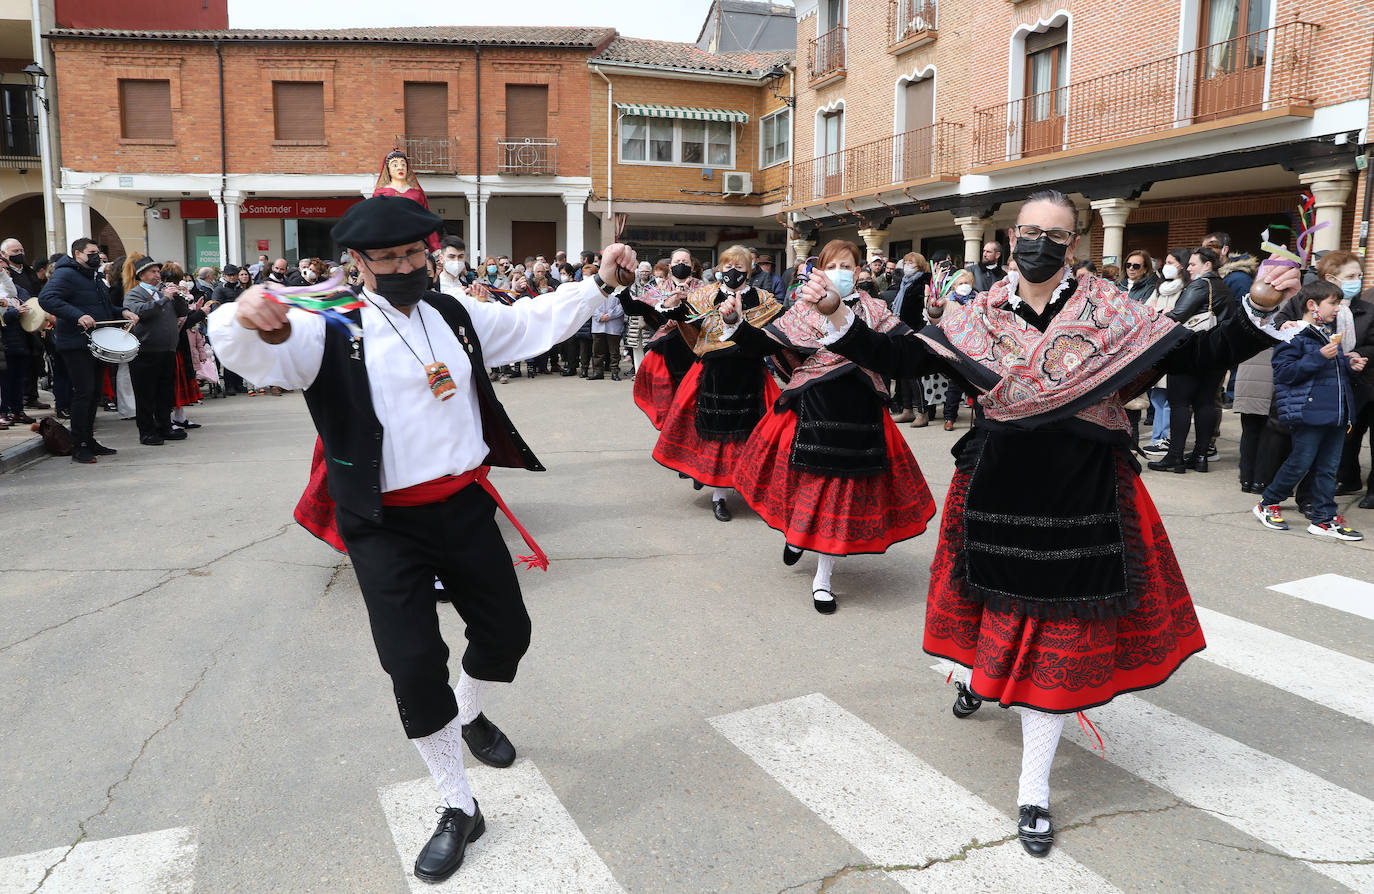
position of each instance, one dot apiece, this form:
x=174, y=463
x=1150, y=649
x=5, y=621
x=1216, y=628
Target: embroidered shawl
x=654, y=295
x=702, y=302
x=800, y=330
x=1098, y=351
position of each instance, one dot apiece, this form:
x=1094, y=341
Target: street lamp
x=37, y=75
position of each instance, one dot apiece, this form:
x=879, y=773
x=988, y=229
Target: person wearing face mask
x=1355, y=323
x=1173, y=277
x=1053, y=581
x=277, y=273
x=668, y=352
x=637, y=330
x=827, y=467
x=454, y=275
x=78, y=299
x=960, y=292
x=409, y=427
x=723, y=396
x=491, y=277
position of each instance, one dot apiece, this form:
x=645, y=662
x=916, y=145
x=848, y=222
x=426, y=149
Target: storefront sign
x=205, y=250
x=264, y=244
x=669, y=236
x=204, y=209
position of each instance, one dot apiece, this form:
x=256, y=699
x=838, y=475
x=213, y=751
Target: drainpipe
x=611, y=123
x=477, y=212
x=224, y=235
x=44, y=139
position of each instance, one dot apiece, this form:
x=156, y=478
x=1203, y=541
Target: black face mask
x=93, y=262
x=402, y=289
x=733, y=279
x=17, y=260
x=1038, y=259
x=682, y=271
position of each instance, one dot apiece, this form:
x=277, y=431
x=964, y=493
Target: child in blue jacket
x=1313, y=396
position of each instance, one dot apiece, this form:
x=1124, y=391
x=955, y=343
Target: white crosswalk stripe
x=1296, y=812
x=1322, y=675
x=162, y=861
x=864, y=786
x=1333, y=591
x=532, y=845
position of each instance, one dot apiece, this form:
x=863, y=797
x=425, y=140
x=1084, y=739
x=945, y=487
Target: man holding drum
x=79, y=299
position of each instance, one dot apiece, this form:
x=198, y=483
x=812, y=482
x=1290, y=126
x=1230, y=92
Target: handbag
x=1201, y=322
x=1139, y=402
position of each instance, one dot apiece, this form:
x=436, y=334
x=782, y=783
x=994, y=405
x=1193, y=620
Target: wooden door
x=532, y=238
x=1233, y=50
x=916, y=146
x=832, y=155
x=527, y=111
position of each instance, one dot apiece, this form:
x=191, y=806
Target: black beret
x=385, y=222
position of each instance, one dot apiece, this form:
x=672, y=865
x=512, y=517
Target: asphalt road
x=190, y=700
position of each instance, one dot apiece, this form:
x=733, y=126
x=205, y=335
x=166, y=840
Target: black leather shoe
x=1367, y=502
x=1197, y=463
x=1168, y=465
x=487, y=743
x=100, y=449
x=615, y=377
x=443, y=853
x=965, y=702
x=568, y=372
x=790, y=554
x=696, y=485
x=82, y=455
x=174, y=434
x=151, y=440
x=595, y=377
x=824, y=606
x=1037, y=844
x=721, y=510
x=188, y=424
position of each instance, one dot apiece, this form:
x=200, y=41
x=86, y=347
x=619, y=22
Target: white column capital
x=1114, y=211
x=801, y=248
x=873, y=239
x=230, y=197
x=578, y=198
x=1329, y=187
x=67, y=195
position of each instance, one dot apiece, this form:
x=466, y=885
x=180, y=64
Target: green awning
x=691, y=114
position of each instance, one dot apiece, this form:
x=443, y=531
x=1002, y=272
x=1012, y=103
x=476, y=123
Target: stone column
x=1114, y=213
x=974, y=229
x=76, y=211
x=1331, y=189
x=232, y=249
x=799, y=249
x=873, y=240
x=575, y=233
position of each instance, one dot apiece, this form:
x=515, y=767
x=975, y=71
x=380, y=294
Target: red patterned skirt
x=185, y=388
x=679, y=446
x=654, y=388
x=1064, y=665
x=830, y=514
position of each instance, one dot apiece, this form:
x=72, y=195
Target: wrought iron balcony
x=430, y=155
x=926, y=154
x=1261, y=73
x=19, y=145
x=532, y=155
x=910, y=24
x=825, y=55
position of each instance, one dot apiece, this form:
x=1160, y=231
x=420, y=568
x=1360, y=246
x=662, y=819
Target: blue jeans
x=1159, y=399
x=1318, y=448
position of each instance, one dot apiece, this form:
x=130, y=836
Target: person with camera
x=154, y=369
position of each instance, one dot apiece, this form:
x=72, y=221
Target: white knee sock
x=824, y=565
x=443, y=754
x=718, y=493
x=470, y=692
x=1039, y=736
x=179, y=415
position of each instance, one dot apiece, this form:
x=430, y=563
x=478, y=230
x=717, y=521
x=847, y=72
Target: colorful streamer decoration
x=941, y=281
x=329, y=299
x=1281, y=256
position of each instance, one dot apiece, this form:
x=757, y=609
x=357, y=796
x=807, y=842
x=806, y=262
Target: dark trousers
x=37, y=363
x=1261, y=449
x=605, y=352
x=952, y=399
x=396, y=560
x=1316, y=448
x=12, y=385
x=61, y=384
x=582, y=353
x=87, y=375
x=1192, y=397
x=1361, y=431
x=154, y=380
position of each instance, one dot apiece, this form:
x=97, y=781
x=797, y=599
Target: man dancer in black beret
x=409, y=424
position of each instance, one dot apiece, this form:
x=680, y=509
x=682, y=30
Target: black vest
x=340, y=403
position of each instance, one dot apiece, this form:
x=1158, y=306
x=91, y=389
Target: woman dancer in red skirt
x=1053, y=579
x=723, y=396
x=668, y=355
x=827, y=466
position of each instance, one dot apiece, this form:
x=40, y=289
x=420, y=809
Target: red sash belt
x=439, y=489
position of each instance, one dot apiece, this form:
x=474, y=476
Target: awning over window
x=655, y=111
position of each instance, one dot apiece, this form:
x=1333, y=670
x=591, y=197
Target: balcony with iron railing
x=901, y=161
x=531, y=155
x=1254, y=77
x=430, y=155
x=19, y=145
x=910, y=24
x=825, y=56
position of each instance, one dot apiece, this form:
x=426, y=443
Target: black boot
x=443, y=853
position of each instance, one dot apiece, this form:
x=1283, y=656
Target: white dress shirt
x=425, y=438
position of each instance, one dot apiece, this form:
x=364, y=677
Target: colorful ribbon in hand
x=329, y=299
x=1282, y=256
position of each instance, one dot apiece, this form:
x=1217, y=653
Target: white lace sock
x=1039, y=737
x=443, y=754
x=179, y=415
x=470, y=692
x=718, y=493
x=824, y=565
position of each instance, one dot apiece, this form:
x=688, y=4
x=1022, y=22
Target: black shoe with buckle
x=965, y=702
x=443, y=853
x=790, y=554
x=825, y=606
x=1037, y=844
x=487, y=743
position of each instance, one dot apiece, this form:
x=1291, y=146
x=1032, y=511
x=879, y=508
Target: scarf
x=711, y=324
x=907, y=279
x=800, y=330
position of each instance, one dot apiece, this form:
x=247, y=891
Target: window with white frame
x=775, y=138
x=676, y=141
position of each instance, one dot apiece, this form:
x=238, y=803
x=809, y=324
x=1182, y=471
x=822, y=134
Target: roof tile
x=572, y=37
x=688, y=57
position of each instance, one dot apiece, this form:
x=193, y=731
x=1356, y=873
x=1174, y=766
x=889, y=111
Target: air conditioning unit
x=737, y=183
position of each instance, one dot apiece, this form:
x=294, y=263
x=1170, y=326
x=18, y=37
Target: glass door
x=1046, y=94
x=1233, y=50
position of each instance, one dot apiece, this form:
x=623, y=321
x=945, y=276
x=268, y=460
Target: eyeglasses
x=414, y=260
x=1134, y=266
x=1031, y=231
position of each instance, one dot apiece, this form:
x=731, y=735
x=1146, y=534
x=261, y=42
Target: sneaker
x=1336, y=528
x=1158, y=448
x=1212, y=451
x=1270, y=516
